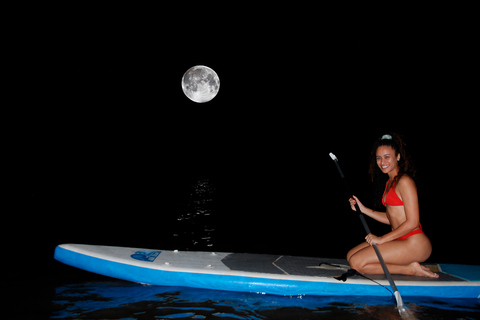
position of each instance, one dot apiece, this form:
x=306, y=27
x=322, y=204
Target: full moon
x=200, y=84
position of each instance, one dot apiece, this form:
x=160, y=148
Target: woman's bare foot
x=422, y=271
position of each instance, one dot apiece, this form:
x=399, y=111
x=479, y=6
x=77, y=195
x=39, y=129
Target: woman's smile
x=386, y=159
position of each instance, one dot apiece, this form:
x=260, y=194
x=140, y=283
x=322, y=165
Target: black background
x=103, y=146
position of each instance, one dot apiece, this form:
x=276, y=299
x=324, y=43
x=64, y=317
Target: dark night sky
x=100, y=127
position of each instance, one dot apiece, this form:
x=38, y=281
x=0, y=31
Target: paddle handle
x=384, y=267
x=367, y=230
x=362, y=218
x=350, y=194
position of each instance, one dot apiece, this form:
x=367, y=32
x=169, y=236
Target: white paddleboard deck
x=262, y=273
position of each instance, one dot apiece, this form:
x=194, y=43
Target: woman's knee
x=356, y=249
x=350, y=254
x=352, y=262
x=358, y=262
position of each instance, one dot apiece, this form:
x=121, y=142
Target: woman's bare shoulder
x=406, y=182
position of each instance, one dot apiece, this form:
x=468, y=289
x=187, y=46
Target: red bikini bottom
x=411, y=233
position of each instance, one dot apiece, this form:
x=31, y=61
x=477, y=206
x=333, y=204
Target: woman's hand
x=360, y=205
x=373, y=239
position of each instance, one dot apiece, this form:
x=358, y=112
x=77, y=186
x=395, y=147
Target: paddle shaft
x=367, y=230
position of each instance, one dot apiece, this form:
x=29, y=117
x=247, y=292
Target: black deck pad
x=402, y=277
x=252, y=262
x=307, y=266
x=276, y=264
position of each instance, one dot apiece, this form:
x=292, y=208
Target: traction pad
x=307, y=266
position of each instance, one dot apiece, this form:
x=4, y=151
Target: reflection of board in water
x=194, y=228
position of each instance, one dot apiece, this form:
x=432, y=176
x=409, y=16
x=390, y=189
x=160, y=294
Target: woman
x=406, y=245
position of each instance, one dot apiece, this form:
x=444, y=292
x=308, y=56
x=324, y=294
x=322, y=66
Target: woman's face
x=387, y=161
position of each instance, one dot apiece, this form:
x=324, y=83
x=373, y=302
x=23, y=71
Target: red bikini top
x=392, y=198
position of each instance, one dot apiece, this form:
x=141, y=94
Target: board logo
x=149, y=256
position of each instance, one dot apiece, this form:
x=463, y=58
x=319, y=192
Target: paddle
x=398, y=297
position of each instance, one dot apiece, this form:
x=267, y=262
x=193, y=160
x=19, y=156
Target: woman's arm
x=377, y=215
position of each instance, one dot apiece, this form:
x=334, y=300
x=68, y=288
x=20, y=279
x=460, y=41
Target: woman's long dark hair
x=405, y=164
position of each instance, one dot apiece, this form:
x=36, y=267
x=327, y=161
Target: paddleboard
x=260, y=273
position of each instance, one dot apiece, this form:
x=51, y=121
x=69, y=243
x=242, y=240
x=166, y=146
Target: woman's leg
x=401, y=257
x=354, y=250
